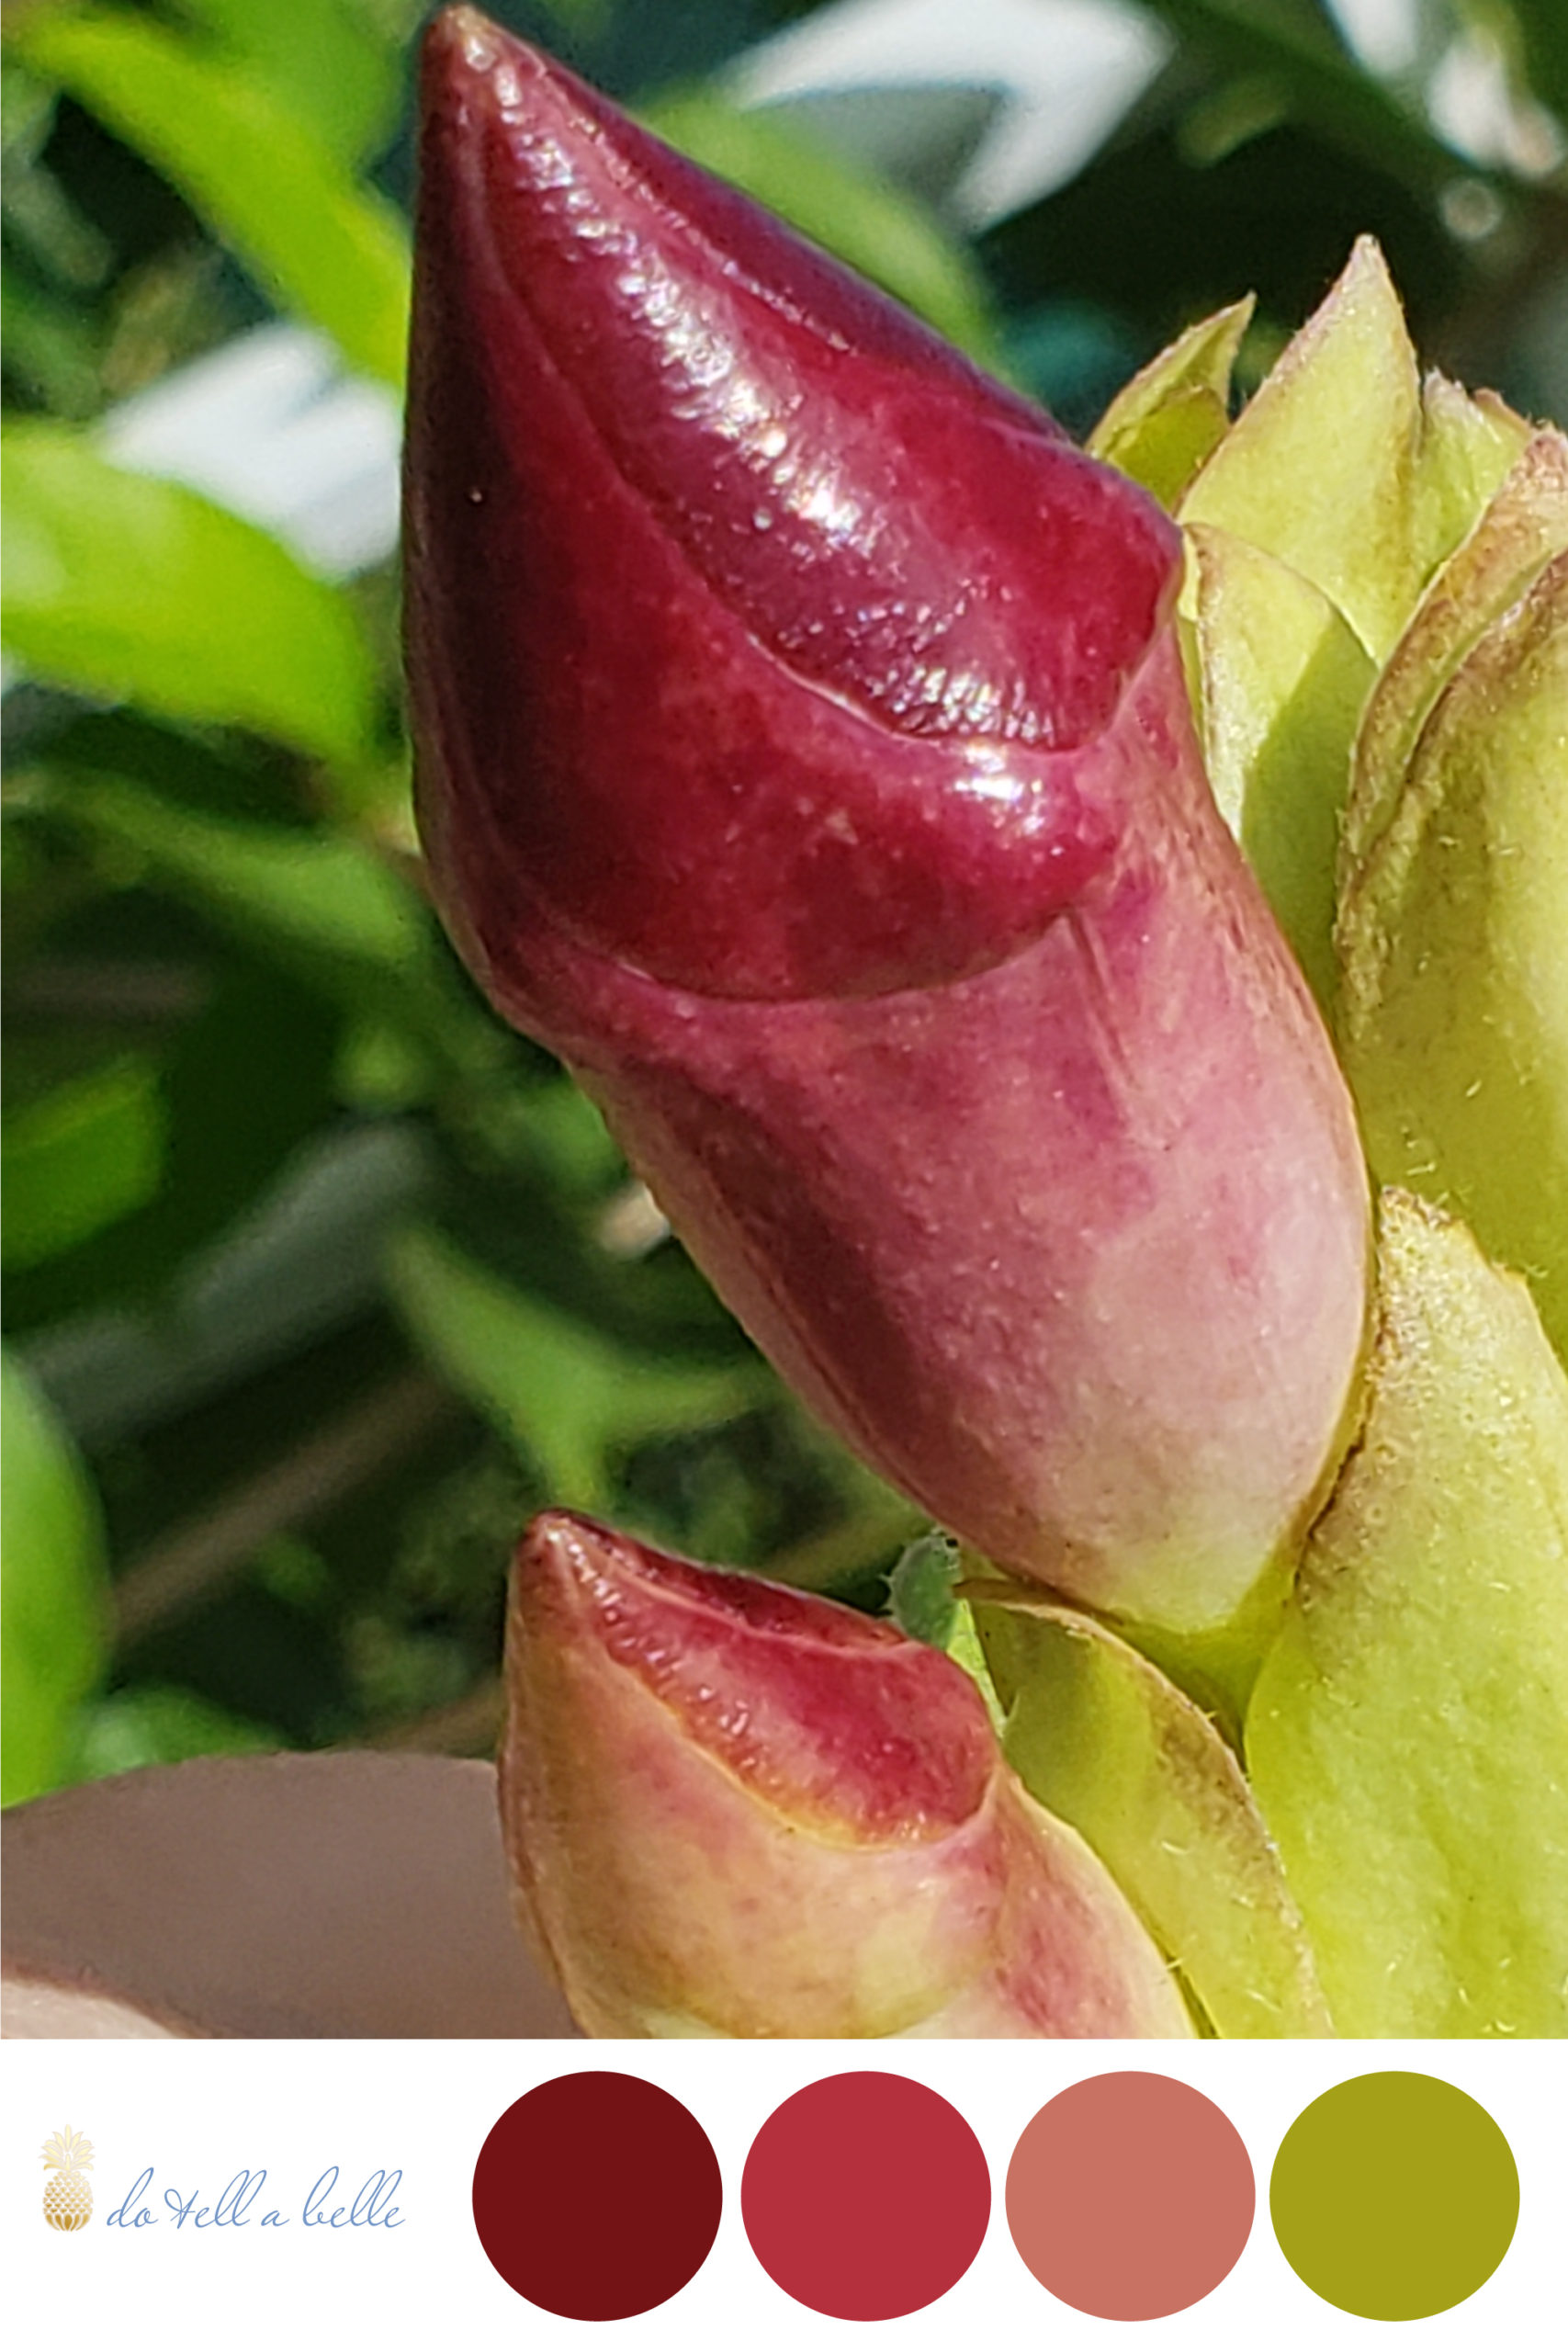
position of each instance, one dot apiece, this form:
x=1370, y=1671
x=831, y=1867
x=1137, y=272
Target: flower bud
x=804, y=755
x=1454, y=1002
x=734, y=1809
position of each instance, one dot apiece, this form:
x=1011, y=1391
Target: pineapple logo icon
x=68, y=2198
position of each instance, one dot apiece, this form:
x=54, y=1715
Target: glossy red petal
x=747, y=617
x=804, y=754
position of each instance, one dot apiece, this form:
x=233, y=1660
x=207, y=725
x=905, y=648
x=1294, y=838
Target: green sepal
x=1162, y=426
x=1519, y=532
x=1407, y=1738
x=1100, y=1739
x=923, y=1601
x=1282, y=679
x=1343, y=469
x=1453, y=1009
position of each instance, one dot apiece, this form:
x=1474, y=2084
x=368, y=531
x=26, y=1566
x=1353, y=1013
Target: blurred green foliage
x=320, y=1281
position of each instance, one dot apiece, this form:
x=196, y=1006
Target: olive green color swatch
x=1394, y=2196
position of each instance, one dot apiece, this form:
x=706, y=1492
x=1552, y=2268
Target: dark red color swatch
x=865, y=2196
x=597, y=2196
x=1130, y=2196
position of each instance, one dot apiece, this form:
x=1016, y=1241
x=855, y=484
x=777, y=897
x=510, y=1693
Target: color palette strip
x=867, y=2196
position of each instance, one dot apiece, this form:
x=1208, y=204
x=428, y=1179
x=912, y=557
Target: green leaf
x=322, y=890
x=322, y=903
x=53, y=1593
x=923, y=1602
x=265, y=181
x=1282, y=682
x=1454, y=996
x=85, y=1156
x=157, y=1724
x=138, y=591
x=1468, y=447
x=245, y=1083
x=324, y=59
x=1540, y=24
x=1293, y=46
x=1408, y=1735
x=1100, y=1739
x=569, y=1399
x=50, y=347
x=887, y=235
x=1161, y=426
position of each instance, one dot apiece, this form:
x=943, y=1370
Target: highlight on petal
x=720, y=520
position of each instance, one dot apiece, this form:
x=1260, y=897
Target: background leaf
x=157, y=1724
x=53, y=1616
x=320, y=244
x=1294, y=50
x=562, y=1394
x=138, y=591
x=328, y=60
x=1545, y=48
x=89, y=1153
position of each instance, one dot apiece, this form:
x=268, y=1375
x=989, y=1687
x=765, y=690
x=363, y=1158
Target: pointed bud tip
x=462, y=45
x=470, y=66
x=834, y=1717
x=752, y=629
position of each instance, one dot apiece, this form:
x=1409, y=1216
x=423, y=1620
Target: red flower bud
x=730, y=1808
x=804, y=755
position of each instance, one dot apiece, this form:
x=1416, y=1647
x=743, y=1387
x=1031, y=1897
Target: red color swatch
x=865, y=2196
x=1130, y=2196
x=597, y=2196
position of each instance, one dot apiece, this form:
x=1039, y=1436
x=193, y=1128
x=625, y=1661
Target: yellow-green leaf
x=328, y=61
x=1344, y=468
x=53, y=1590
x=1525, y=525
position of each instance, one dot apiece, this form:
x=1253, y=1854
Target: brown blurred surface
x=349, y=1895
